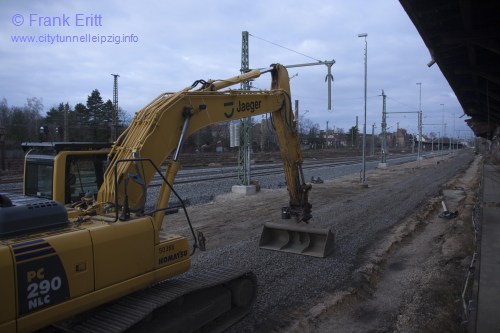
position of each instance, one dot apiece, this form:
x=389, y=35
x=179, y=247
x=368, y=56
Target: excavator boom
x=171, y=118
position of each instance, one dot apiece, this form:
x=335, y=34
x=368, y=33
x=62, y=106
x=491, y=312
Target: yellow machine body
x=56, y=264
x=65, y=272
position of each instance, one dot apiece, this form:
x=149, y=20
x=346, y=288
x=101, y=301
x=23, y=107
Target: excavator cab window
x=83, y=164
x=84, y=174
x=38, y=179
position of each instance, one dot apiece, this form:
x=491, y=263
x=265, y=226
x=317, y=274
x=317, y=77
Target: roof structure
x=463, y=37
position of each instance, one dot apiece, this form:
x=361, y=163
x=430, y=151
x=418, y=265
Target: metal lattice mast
x=245, y=132
x=114, y=115
x=244, y=151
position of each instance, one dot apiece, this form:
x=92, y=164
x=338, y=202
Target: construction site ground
x=397, y=266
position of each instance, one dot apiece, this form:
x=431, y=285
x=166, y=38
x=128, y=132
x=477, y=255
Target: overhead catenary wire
x=284, y=47
x=329, y=76
x=404, y=104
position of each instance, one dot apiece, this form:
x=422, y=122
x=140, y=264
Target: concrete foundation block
x=244, y=189
x=382, y=165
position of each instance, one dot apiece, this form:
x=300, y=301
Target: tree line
x=91, y=121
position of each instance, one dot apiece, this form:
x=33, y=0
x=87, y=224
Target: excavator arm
x=159, y=129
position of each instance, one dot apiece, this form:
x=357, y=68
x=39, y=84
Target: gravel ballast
x=288, y=284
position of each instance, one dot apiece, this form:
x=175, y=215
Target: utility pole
x=439, y=141
x=2, y=147
x=327, y=134
x=357, y=133
x=245, y=148
x=114, y=114
x=442, y=129
x=298, y=120
x=364, y=123
x=444, y=135
x=419, y=157
x=397, y=134
x=454, y=133
x=419, y=123
x=383, y=161
x=373, y=139
x=65, y=128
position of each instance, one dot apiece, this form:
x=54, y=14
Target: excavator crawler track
x=208, y=303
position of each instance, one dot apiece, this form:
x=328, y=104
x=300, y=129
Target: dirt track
x=396, y=265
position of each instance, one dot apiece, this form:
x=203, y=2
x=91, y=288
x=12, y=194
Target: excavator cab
x=64, y=171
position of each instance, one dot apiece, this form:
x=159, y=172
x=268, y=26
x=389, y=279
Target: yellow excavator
x=104, y=264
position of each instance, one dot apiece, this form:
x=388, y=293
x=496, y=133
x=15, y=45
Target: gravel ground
x=290, y=285
x=194, y=194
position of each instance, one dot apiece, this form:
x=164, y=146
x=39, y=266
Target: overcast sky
x=173, y=43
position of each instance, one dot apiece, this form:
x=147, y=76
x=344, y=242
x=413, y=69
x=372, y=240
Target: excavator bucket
x=297, y=239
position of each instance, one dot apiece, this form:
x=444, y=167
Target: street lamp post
x=454, y=133
x=364, y=124
x=419, y=122
x=443, y=129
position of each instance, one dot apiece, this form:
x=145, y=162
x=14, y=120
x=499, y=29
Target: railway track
x=196, y=174
x=192, y=175
x=219, y=173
